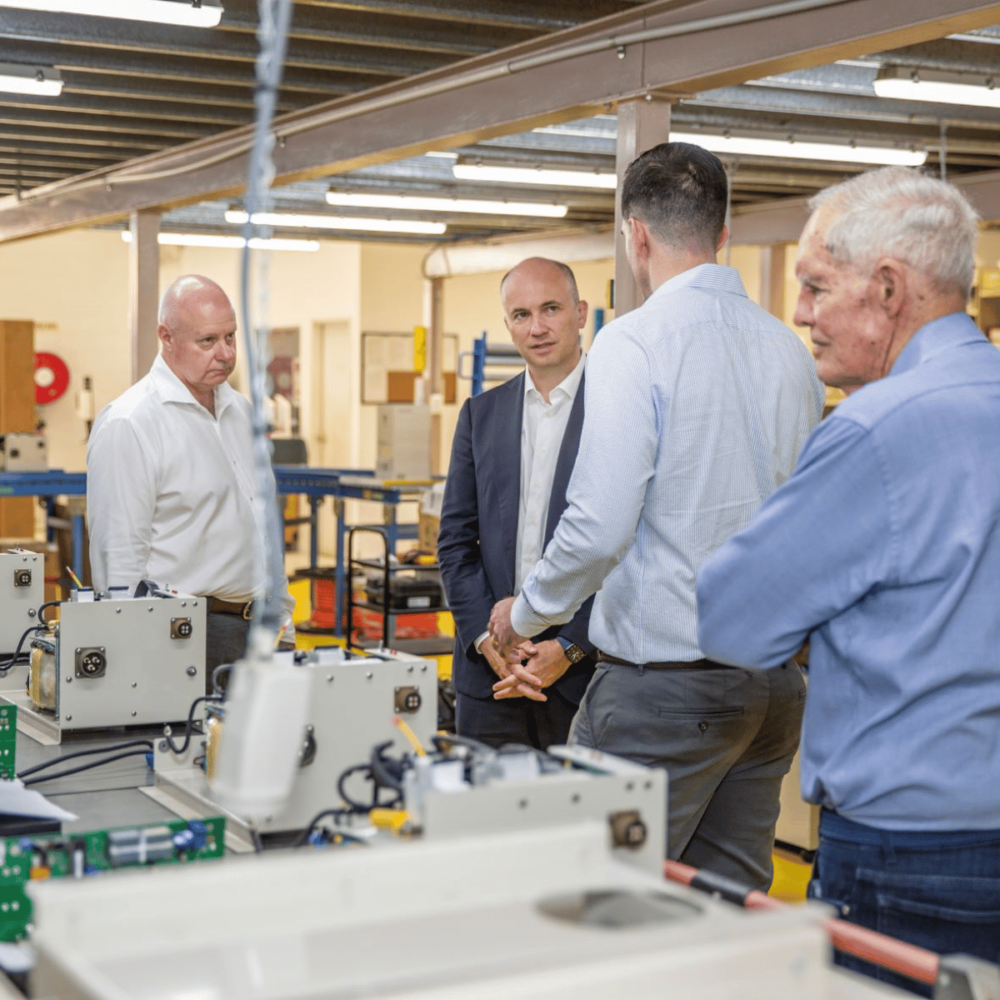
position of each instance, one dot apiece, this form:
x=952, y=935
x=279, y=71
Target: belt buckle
x=246, y=610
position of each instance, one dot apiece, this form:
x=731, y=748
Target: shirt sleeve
x=121, y=501
x=816, y=547
x=614, y=464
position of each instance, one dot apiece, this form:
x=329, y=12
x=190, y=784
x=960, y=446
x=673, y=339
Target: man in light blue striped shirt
x=697, y=404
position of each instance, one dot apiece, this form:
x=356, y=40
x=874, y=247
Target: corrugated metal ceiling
x=133, y=88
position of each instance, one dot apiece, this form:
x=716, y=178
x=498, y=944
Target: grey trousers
x=726, y=737
x=226, y=639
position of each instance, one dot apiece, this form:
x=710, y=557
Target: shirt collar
x=568, y=386
x=713, y=277
x=172, y=390
x=940, y=334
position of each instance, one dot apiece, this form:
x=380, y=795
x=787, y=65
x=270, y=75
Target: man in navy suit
x=511, y=461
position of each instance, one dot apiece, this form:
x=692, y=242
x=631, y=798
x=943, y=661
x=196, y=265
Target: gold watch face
x=574, y=654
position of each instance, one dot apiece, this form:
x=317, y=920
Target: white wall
x=75, y=288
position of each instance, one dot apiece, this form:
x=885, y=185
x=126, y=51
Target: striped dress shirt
x=697, y=405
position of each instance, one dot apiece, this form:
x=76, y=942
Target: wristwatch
x=574, y=653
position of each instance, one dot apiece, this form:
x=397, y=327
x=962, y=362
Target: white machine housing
x=352, y=704
x=120, y=661
x=536, y=914
x=24, y=452
x=513, y=792
x=22, y=590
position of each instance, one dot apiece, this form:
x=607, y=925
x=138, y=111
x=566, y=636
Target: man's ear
x=640, y=236
x=891, y=277
x=165, y=335
x=581, y=314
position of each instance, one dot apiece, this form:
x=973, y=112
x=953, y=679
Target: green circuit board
x=8, y=735
x=80, y=855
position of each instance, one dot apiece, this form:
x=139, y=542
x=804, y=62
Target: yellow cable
x=410, y=735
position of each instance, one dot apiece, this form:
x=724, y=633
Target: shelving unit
x=422, y=604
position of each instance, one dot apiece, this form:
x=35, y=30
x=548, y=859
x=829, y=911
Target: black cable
x=352, y=805
x=5, y=667
x=84, y=767
x=41, y=610
x=83, y=753
x=307, y=832
x=189, y=726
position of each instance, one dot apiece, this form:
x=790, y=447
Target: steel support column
x=642, y=124
x=435, y=340
x=143, y=290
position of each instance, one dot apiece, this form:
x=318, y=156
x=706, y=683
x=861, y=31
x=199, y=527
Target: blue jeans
x=937, y=890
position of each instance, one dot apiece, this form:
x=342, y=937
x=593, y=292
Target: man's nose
x=227, y=351
x=803, y=311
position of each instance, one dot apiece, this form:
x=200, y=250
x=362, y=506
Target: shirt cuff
x=480, y=640
x=523, y=620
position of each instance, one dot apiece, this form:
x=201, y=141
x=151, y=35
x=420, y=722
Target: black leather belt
x=664, y=665
x=217, y=606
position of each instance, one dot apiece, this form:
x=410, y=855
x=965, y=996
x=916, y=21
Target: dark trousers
x=939, y=891
x=540, y=724
x=726, y=737
x=225, y=642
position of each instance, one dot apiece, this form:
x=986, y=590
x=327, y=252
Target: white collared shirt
x=542, y=428
x=698, y=404
x=171, y=492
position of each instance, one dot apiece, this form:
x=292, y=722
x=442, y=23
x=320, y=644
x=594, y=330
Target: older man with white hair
x=170, y=480
x=883, y=550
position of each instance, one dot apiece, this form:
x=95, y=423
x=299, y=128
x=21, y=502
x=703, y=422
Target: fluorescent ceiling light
x=293, y=221
x=196, y=13
x=416, y=203
x=803, y=150
x=15, y=79
x=940, y=88
x=530, y=175
x=227, y=242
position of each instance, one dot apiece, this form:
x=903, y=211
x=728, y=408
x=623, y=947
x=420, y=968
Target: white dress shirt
x=698, y=404
x=171, y=492
x=543, y=425
x=542, y=428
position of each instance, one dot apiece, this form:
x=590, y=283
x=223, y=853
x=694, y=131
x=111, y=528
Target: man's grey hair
x=902, y=213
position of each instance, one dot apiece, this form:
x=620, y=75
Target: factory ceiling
x=156, y=117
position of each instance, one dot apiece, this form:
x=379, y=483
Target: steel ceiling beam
x=47, y=119
x=540, y=16
x=86, y=32
x=152, y=113
x=783, y=221
x=69, y=58
x=839, y=105
x=448, y=38
x=555, y=78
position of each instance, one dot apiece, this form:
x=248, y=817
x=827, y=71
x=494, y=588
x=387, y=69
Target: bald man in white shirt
x=171, y=491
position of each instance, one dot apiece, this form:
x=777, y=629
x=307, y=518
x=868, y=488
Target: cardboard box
x=428, y=526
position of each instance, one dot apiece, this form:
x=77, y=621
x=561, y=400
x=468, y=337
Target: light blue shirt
x=884, y=550
x=697, y=405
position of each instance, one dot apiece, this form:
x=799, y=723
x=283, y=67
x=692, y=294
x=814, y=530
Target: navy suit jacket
x=478, y=537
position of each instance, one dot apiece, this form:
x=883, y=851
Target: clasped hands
x=525, y=668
